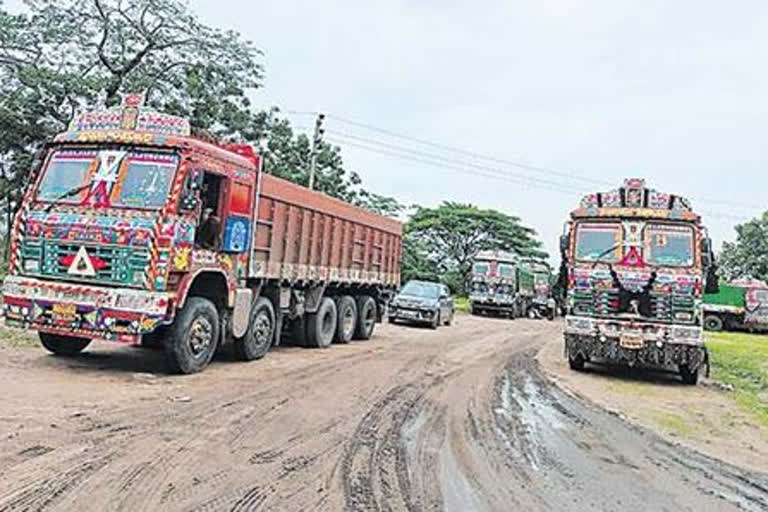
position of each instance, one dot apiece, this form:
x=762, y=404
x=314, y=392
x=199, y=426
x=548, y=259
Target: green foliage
x=461, y=304
x=741, y=360
x=748, y=255
x=445, y=240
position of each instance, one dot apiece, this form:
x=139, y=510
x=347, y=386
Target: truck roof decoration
x=634, y=196
x=130, y=116
x=504, y=256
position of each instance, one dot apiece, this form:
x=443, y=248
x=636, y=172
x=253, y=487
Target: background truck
x=741, y=304
x=500, y=285
x=542, y=304
x=636, y=264
x=135, y=231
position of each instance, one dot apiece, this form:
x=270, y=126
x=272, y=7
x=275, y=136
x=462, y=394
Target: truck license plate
x=631, y=341
x=64, y=310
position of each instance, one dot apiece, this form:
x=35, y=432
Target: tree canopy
x=445, y=241
x=748, y=255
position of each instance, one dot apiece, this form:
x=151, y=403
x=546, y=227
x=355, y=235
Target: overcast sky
x=676, y=92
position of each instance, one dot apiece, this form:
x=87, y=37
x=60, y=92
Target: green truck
x=738, y=305
x=501, y=285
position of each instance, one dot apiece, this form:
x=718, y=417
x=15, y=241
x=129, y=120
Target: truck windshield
x=598, y=242
x=133, y=179
x=426, y=290
x=669, y=245
x=506, y=270
x=481, y=268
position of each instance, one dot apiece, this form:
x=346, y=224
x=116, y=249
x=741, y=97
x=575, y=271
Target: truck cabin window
x=209, y=226
x=506, y=270
x=669, y=245
x=137, y=179
x=598, y=242
x=481, y=269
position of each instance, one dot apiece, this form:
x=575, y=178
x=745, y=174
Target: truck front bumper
x=118, y=314
x=634, y=342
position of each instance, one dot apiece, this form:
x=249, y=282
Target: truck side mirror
x=565, y=243
x=192, y=185
x=706, y=252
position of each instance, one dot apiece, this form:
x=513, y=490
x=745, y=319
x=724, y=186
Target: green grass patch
x=461, y=304
x=741, y=360
x=674, y=424
x=17, y=338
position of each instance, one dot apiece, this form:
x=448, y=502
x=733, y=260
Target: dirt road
x=454, y=419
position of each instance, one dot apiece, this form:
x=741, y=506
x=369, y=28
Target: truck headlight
x=31, y=266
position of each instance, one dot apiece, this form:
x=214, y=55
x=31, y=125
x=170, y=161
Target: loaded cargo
x=136, y=231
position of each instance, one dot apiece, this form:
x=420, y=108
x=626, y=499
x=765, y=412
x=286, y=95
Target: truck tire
x=63, y=345
x=713, y=323
x=261, y=331
x=690, y=377
x=576, y=362
x=347, y=319
x=366, y=317
x=321, y=326
x=193, y=337
x=298, y=335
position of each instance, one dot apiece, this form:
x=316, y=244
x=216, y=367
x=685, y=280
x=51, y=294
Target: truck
x=137, y=231
x=637, y=262
x=542, y=304
x=739, y=305
x=500, y=285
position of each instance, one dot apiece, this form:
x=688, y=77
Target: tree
x=748, y=255
x=449, y=237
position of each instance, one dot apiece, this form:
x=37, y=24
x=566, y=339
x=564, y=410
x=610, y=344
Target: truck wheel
x=347, y=321
x=366, y=317
x=713, y=323
x=261, y=330
x=321, y=326
x=63, y=345
x=690, y=377
x=193, y=336
x=576, y=362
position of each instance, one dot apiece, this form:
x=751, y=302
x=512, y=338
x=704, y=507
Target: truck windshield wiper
x=605, y=252
x=68, y=193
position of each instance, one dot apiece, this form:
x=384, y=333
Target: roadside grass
x=675, y=424
x=17, y=338
x=741, y=360
x=461, y=304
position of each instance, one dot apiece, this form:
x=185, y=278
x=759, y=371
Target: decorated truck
x=543, y=304
x=740, y=304
x=500, y=285
x=637, y=263
x=135, y=231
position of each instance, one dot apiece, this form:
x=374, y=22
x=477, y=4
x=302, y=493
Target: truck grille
x=121, y=265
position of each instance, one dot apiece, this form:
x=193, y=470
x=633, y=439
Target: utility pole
x=316, y=140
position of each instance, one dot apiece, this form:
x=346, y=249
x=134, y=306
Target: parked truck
x=636, y=262
x=500, y=285
x=740, y=304
x=543, y=304
x=136, y=231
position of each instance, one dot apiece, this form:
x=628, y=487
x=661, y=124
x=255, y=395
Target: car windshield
x=598, y=242
x=132, y=179
x=669, y=245
x=425, y=290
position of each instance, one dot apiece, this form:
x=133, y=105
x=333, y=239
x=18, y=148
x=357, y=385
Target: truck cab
x=637, y=263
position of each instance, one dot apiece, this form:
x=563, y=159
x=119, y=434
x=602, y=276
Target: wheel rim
x=200, y=335
x=262, y=329
x=348, y=321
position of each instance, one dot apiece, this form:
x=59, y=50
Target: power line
x=562, y=174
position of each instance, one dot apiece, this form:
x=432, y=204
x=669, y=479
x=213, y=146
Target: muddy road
x=454, y=419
